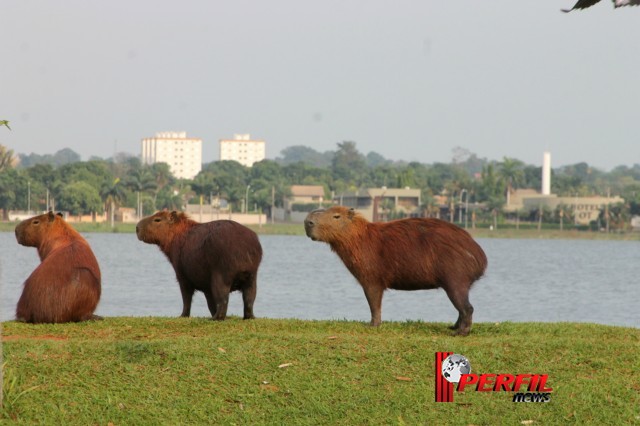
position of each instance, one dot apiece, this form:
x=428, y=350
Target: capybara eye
x=336, y=216
x=157, y=219
x=35, y=222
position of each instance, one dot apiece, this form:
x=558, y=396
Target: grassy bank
x=298, y=229
x=196, y=371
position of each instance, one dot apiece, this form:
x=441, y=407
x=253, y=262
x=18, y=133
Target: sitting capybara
x=65, y=287
x=216, y=258
x=406, y=254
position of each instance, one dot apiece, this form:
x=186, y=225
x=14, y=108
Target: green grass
x=267, y=371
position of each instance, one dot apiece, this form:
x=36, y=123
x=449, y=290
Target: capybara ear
x=60, y=214
x=173, y=216
x=51, y=216
x=351, y=213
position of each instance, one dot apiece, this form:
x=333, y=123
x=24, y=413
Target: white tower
x=546, y=173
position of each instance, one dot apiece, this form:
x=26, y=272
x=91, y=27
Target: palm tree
x=141, y=180
x=112, y=195
x=163, y=177
x=512, y=173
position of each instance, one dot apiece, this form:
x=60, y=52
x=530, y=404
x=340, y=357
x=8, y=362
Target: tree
x=163, y=177
x=374, y=160
x=491, y=191
x=229, y=178
x=94, y=173
x=299, y=153
x=60, y=158
x=511, y=174
x=80, y=198
x=6, y=158
x=112, y=195
x=8, y=184
x=141, y=181
x=349, y=165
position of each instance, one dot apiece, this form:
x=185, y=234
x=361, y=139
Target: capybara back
x=66, y=286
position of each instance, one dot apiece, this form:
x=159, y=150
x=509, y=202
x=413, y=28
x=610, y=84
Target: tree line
x=62, y=182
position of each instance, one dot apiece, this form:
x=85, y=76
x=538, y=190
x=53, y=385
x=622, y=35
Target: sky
x=410, y=80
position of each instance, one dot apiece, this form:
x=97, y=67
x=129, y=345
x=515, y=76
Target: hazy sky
x=410, y=80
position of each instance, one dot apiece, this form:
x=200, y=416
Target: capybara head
x=329, y=224
x=30, y=232
x=161, y=227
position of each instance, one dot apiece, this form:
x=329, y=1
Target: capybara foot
x=461, y=332
x=96, y=318
x=249, y=317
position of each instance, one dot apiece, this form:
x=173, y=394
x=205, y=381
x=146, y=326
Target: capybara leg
x=374, y=297
x=94, y=318
x=218, y=306
x=218, y=299
x=460, y=300
x=187, y=297
x=456, y=325
x=248, y=297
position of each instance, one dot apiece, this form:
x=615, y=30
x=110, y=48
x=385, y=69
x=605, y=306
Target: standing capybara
x=406, y=254
x=216, y=258
x=65, y=287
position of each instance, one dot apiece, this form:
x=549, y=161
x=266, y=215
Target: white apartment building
x=242, y=149
x=182, y=154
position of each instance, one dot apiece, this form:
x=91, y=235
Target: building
x=242, y=149
x=584, y=209
x=305, y=194
x=301, y=200
x=382, y=204
x=182, y=154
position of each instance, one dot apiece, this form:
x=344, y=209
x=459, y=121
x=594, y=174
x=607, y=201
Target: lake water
x=527, y=280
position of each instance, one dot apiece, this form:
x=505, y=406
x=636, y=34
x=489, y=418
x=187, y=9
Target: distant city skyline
x=410, y=81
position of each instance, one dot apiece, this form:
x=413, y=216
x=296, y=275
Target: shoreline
x=504, y=231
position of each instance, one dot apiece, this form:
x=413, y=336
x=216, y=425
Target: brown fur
x=216, y=258
x=65, y=287
x=407, y=254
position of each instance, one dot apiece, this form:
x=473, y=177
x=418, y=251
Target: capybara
x=65, y=287
x=405, y=254
x=216, y=258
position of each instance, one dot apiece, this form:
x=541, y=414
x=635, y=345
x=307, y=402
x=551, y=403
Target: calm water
x=527, y=280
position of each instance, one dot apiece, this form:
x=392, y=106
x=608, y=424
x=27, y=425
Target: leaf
x=288, y=364
x=404, y=379
x=222, y=351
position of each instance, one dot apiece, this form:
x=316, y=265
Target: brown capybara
x=216, y=258
x=65, y=287
x=406, y=254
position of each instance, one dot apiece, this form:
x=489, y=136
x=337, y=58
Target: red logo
x=453, y=368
